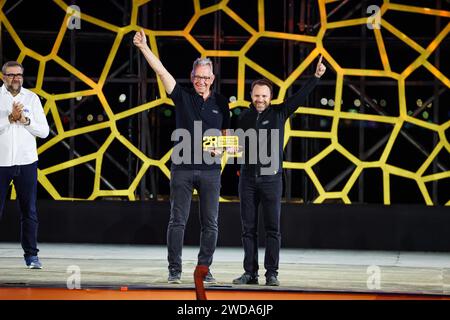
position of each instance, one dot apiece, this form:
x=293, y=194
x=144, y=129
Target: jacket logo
x=215, y=111
x=265, y=122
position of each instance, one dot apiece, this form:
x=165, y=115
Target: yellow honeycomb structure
x=244, y=61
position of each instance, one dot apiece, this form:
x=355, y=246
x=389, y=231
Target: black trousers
x=25, y=182
x=182, y=183
x=267, y=191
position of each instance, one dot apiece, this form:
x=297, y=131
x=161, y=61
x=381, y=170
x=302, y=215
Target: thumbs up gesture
x=320, y=69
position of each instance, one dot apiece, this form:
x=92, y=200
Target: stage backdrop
x=91, y=117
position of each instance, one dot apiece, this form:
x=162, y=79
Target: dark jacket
x=274, y=117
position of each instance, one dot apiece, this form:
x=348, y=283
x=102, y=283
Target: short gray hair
x=11, y=64
x=202, y=62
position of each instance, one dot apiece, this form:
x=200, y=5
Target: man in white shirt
x=22, y=119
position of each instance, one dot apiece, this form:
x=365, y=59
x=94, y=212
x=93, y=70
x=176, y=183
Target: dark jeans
x=25, y=182
x=267, y=191
x=182, y=183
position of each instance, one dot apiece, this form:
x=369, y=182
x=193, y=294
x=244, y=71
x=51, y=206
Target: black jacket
x=274, y=117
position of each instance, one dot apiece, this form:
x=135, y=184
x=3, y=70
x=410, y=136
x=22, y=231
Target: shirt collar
x=5, y=91
x=253, y=108
x=211, y=97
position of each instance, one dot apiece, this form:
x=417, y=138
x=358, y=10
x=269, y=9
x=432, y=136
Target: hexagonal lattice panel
x=420, y=53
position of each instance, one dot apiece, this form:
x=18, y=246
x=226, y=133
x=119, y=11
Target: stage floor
x=140, y=267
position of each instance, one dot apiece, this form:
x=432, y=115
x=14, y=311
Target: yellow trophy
x=229, y=143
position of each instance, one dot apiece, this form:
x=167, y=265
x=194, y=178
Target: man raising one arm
x=140, y=41
x=196, y=107
x=261, y=183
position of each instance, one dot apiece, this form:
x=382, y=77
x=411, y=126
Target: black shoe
x=209, y=279
x=174, y=277
x=272, y=281
x=246, y=278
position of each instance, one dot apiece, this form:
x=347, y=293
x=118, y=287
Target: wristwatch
x=28, y=121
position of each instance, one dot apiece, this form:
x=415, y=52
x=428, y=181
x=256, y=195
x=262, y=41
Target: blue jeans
x=182, y=183
x=25, y=182
x=267, y=191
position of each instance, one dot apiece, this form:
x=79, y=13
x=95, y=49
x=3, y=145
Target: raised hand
x=320, y=69
x=140, y=40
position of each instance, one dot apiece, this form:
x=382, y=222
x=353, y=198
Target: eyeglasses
x=200, y=78
x=14, y=75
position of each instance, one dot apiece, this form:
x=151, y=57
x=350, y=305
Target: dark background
x=37, y=24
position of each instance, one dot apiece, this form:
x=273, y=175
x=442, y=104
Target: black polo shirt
x=213, y=113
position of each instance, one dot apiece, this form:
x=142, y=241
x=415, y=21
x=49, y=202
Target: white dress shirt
x=18, y=142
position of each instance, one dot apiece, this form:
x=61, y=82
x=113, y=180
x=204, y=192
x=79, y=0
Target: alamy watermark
x=374, y=21
x=74, y=22
x=374, y=279
x=258, y=147
x=74, y=279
